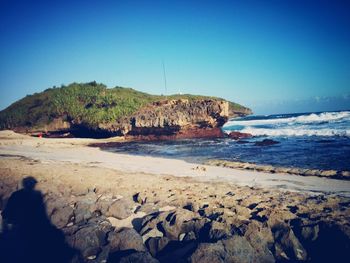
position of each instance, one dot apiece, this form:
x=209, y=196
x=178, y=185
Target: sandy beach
x=155, y=199
x=76, y=151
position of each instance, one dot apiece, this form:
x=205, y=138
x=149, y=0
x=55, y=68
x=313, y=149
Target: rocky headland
x=92, y=110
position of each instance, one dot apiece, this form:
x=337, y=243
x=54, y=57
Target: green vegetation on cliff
x=82, y=103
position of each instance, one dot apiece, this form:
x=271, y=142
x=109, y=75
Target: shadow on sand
x=28, y=235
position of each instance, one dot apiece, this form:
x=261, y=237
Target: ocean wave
x=257, y=122
x=307, y=118
x=324, y=117
x=295, y=132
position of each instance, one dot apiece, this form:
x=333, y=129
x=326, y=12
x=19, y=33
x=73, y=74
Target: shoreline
x=110, y=142
x=238, y=165
x=78, y=151
x=332, y=174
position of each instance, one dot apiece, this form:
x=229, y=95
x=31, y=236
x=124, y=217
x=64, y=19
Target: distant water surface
x=306, y=140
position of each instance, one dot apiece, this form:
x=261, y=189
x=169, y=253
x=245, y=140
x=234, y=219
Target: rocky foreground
x=113, y=216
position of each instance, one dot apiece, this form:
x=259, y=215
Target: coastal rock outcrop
x=345, y=175
x=239, y=135
x=266, y=142
x=175, y=119
x=93, y=110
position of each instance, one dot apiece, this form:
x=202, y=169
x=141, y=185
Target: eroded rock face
x=176, y=119
x=167, y=119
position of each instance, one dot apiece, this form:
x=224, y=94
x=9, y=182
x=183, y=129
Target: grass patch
x=82, y=103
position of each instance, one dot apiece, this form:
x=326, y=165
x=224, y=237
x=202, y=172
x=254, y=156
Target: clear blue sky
x=273, y=56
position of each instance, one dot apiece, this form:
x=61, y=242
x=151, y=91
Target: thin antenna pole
x=166, y=96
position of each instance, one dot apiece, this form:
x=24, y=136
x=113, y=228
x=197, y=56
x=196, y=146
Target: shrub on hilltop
x=82, y=103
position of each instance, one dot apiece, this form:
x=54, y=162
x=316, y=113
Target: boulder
x=84, y=207
x=287, y=245
x=62, y=216
x=239, y=135
x=219, y=231
x=151, y=221
x=89, y=240
x=238, y=249
x=54, y=203
x=120, y=209
x=180, y=221
x=261, y=239
x=138, y=257
x=172, y=223
x=125, y=239
x=266, y=142
x=83, y=211
x=176, y=251
x=209, y=253
x=151, y=233
x=103, y=205
x=243, y=212
x=234, y=249
x=156, y=244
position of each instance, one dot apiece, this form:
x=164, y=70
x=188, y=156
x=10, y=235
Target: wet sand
x=76, y=151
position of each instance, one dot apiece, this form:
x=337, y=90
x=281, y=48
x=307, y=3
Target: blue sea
x=319, y=140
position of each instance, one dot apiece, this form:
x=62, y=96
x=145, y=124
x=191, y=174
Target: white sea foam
x=258, y=122
x=308, y=118
x=313, y=124
x=324, y=117
x=296, y=132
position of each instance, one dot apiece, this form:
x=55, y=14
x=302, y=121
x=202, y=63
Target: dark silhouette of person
x=28, y=235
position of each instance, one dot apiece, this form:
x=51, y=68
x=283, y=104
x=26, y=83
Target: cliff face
x=92, y=110
x=175, y=118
